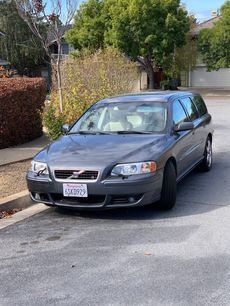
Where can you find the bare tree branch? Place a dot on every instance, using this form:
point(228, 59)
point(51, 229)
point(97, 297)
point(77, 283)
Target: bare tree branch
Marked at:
point(49, 27)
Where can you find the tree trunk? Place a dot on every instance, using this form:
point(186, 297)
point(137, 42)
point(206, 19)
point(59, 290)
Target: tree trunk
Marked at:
point(146, 63)
point(59, 78)
point(150, 71)
point(49, 78)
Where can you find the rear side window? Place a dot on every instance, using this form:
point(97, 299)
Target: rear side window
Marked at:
point(199, 102)
point(191, 108)
point(179, 114)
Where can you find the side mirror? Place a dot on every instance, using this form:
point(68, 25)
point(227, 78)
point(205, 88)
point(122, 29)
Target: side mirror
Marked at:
point(65, 128)
point(184, 126)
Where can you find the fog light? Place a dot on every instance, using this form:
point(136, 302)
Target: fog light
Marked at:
point(131, 199)
point(37, 196)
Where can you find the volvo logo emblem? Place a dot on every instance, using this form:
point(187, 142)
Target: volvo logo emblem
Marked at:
point(75, 174)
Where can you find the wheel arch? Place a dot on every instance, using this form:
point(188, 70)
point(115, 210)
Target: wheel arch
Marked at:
point(173, 161)
point(210, 136)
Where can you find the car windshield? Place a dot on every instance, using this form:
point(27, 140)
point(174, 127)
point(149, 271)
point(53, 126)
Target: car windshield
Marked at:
point(123, 118)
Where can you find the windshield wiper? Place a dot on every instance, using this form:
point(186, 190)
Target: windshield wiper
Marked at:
point(88, 133)
point(107, 133)
point(132, 132)
point(83, 133)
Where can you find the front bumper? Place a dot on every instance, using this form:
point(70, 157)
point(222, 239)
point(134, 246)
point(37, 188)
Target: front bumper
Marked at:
point(109, 193)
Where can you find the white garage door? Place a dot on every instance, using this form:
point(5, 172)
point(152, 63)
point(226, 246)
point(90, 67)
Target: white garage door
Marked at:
point(201, 78)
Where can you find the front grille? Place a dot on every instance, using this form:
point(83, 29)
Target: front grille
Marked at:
point(91, 199)
point(72, 175)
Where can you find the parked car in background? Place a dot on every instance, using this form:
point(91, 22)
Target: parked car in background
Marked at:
point(125, 151)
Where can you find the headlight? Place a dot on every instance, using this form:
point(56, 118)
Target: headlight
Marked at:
point(134, 168)
point(39, 168)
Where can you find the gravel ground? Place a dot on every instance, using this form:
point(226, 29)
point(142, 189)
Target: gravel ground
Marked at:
point(12, 178)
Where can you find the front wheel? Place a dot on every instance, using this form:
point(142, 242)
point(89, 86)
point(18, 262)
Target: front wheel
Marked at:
point(169, 189)
point(206, 164)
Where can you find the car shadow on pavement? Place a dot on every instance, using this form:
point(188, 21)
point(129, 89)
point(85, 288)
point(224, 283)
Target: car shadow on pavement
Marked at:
point(198, 193)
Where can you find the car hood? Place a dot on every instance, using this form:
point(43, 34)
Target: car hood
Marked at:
point(101, 150)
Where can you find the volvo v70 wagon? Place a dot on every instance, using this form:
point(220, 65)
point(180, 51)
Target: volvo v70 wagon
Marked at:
point(124, 151)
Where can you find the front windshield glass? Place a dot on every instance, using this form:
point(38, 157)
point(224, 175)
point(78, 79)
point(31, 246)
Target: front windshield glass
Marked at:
point(127, 117)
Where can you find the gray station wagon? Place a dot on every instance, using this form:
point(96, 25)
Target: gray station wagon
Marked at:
point(125, 151)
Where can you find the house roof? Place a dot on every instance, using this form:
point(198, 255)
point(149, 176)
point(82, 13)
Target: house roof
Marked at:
point(208, 24)
point(51, 36)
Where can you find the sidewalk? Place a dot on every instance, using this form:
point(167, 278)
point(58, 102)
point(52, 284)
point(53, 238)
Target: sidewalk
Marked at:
point(23, 152)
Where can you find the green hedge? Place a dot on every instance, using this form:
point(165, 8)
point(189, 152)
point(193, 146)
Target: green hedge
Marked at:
point(21, 101)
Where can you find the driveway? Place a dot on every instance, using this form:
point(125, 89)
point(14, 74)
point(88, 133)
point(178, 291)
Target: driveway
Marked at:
point(130, 257)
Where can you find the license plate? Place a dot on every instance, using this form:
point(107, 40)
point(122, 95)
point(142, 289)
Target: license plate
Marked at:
point(75, 190)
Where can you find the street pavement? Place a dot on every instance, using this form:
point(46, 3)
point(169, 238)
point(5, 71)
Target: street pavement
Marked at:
point(138, 256)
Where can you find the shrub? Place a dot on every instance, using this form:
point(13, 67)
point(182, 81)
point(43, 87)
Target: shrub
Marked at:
point(53, 120)
point(87, 79)
point(165, 84)
point(21, 100)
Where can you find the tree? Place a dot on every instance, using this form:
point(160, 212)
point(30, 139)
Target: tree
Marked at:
point(89, 78)
point(38, 13)
point(186, 56)
point(89, 26)
point(19, 46)
point(148, 31)
point(214, 44)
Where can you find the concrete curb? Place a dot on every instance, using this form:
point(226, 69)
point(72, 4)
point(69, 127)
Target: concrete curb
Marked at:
point(16, 161)
point(18, 200)
point(22, 215)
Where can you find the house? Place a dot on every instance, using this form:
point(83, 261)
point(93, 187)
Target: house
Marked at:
point(199, 76)
point(65, 47)
point(53, 48)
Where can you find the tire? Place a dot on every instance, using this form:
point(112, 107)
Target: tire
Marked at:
point(206, 164)
point(169, 187)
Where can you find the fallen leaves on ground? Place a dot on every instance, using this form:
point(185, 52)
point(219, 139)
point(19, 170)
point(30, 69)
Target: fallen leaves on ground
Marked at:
point(147, 254)
point(9, 213)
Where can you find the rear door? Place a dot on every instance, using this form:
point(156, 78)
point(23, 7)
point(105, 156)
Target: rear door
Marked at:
point(197, 139)
point(204, 120)
point(183, 140)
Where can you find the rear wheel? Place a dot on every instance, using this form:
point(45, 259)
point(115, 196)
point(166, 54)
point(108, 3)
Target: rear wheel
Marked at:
point(168, 193)
point(206, 164)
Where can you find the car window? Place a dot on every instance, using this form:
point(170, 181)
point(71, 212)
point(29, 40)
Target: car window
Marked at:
point(199, 102)
point(94, 119)
point(179, 114)
point(135, 119)
point(143, 117)
point(191, 108)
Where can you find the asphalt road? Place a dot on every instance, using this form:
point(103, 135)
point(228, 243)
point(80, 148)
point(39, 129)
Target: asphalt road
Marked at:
point(129, 257)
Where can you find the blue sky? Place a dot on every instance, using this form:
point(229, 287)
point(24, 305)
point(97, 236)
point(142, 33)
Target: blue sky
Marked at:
point(202, 8)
